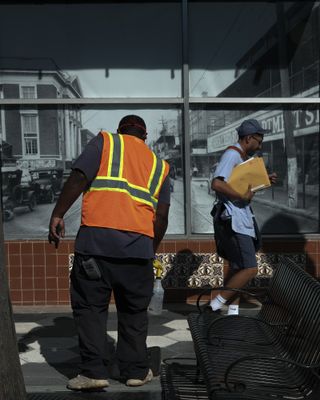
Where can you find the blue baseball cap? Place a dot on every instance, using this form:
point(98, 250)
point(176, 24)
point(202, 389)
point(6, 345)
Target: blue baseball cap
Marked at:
point(250, 127)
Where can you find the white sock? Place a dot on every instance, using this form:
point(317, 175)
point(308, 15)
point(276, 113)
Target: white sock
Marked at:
point(233, 309)
point(217, 302)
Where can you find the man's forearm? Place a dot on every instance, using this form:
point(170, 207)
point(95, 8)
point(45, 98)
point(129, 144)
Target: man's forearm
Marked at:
point(74, 186)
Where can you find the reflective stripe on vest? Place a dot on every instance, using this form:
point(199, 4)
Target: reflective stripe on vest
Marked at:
point(115, 166)
point(113, 180)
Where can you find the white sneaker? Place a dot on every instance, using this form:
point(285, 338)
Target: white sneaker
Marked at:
point(233, 309)
point(82, 382)
point(140, 382)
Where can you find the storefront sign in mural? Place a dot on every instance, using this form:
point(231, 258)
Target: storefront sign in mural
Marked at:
point(305, 121)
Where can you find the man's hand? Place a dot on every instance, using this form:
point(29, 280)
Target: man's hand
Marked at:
point(249, 194)
point(74, 186)
point(56, 230)
point(273, 177)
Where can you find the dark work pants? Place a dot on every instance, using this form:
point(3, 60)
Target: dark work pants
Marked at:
point(132, 282)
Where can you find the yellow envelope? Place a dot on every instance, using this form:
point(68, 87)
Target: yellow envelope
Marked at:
point(251, 172)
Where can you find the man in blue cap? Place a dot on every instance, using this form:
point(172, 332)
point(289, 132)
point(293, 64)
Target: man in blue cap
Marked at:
point(234, 219)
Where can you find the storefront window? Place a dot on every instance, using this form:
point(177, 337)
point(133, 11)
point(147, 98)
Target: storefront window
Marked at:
point(73, 69)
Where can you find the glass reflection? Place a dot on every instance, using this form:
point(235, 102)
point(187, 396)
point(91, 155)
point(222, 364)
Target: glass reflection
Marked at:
point(250, 49)
point(92, 50)
point(291, 150)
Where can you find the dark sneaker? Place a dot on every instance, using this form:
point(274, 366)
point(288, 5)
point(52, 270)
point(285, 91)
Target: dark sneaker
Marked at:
point(140, 382)
point(81, 382)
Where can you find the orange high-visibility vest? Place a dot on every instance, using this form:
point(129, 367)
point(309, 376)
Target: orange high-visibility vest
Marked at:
point(124, 194)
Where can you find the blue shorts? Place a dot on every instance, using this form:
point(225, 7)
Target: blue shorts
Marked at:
point(244, 253)
point(239, 249)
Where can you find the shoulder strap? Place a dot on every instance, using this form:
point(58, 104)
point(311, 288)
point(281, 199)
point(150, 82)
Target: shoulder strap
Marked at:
point(242, 153)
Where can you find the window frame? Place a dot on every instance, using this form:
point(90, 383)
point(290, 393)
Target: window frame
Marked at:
point(22, 86)
point(35, 136)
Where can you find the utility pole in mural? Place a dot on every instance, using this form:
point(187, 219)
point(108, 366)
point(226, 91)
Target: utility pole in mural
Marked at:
point(290, 147)
point(11, 379)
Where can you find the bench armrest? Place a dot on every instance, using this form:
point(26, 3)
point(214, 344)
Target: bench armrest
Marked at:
point(311, 367)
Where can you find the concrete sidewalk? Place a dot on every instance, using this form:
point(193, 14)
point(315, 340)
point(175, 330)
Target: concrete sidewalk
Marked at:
point(49, 350)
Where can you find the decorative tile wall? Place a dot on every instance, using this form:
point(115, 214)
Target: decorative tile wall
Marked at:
point(197, 270)
point(39, 274)
point(192, 270)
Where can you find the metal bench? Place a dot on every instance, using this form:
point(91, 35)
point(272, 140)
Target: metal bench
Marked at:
point(274, 355)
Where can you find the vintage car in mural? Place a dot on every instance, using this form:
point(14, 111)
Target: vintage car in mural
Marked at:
point(47, 183)
point(15, 192)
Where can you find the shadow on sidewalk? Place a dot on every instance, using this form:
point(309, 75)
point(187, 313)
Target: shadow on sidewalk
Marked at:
point(58, 344)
